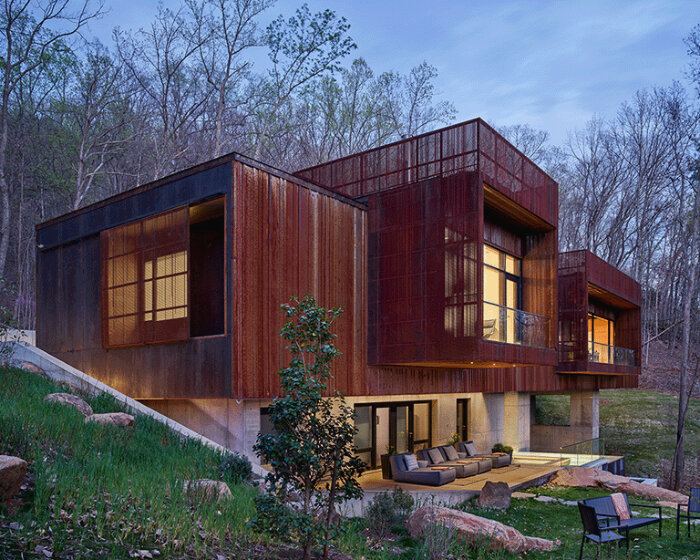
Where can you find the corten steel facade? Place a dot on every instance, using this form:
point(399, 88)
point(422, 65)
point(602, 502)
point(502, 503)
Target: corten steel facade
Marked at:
point(171, 292)
point(588, 286)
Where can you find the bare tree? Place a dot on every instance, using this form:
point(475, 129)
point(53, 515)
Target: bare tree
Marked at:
point(163, 61)
point(301, 48)
point(33, 32)
point(410, 100)
point(226, 29)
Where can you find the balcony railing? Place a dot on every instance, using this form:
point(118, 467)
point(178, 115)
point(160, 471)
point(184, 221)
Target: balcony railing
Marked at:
point(607, 354)
point(514, 326)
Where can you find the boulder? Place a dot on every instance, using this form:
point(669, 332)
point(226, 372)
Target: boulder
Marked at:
point(12, 472)
point(114, 418)
point(212, 489)
point(32, 367)
point(70, 400)
point(496, 495)
point(586, 476)
point(476, 529)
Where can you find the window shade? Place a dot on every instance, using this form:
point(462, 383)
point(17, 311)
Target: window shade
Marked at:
point(145, 280)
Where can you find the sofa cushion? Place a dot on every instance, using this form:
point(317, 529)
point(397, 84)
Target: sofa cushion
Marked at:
point(435, 456)
point(470, 448)
point(450, 453)
point(411, 462)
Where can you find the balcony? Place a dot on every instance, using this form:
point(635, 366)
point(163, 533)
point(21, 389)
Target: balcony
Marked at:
point(514, 326)
point(607, 354)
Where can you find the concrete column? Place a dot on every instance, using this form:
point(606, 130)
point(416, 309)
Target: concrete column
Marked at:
point(444, 410)
point(516, 420)
point(486, 420)
point(585, 411)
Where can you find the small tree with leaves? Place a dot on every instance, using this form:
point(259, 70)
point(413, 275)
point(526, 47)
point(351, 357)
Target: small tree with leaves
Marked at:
point(312, 448)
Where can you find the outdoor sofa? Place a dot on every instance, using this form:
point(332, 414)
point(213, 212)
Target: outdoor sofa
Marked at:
point(615, 514)
point(406, 468)
point(447, 456)
point(498, 460)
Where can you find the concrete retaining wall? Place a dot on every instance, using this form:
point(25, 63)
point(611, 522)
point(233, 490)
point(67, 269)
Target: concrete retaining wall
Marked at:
point(32, 358)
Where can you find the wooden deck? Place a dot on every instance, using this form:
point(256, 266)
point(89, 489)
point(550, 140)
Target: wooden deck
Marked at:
point(517, 476)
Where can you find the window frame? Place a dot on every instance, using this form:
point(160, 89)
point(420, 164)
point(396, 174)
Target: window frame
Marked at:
point(153, 331)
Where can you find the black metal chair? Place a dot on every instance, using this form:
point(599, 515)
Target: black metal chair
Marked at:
point(595, 533)
point(692, 511)
point(604, 508)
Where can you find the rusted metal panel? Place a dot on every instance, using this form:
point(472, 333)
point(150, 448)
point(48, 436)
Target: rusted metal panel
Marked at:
point(468, 146)
point(291, 241)
point(587, 283)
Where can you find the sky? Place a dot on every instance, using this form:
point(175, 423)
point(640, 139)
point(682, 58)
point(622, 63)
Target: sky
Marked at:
point(550, 64)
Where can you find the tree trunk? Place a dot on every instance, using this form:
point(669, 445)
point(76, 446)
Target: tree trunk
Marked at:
point(678, 464)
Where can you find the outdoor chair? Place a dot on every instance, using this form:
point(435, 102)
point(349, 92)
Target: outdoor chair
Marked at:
point(498, 460)
point(692, 511)
point(593, 531)
point(616, 510)
point(405, 468)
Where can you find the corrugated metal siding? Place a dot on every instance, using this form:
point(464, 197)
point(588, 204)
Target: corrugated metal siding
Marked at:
point(292, 241)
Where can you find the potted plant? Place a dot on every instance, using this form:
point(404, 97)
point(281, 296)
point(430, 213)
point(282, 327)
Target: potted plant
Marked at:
point(500, 448)
point(386, 465)
point(454, 438)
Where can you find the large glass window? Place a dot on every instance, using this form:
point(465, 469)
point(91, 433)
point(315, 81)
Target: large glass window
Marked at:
point(502, 296)
point(601, 339)
point(160, 272)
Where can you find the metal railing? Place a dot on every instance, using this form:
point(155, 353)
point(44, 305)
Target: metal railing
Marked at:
point(515, 326)
point(607, 354)
point(583, 452)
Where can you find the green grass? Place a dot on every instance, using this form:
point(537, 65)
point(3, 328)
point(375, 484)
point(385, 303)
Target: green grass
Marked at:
point(641, 425)
point(107, 491)
point(563, 522)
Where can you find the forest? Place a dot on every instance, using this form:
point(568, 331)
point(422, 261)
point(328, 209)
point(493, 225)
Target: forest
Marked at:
point(82, 120)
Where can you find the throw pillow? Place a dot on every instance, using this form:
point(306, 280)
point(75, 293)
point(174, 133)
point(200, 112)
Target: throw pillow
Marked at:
point(470, 448)
point(620, 505)
point(411, 462)
point(435, 456)
point(451, 453)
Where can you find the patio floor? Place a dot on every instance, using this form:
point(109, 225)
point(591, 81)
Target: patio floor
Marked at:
point(517, 475)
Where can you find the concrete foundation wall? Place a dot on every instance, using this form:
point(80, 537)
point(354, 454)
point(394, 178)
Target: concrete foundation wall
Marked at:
point(231, 423)
point(516, 414)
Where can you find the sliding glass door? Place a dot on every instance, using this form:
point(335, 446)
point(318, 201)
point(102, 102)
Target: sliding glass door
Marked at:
point(391, 428)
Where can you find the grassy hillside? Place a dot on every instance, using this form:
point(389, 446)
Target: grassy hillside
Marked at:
point(117, 492)
point(641, 425)
point(108, 491)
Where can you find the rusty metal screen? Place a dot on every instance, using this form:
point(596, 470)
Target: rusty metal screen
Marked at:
point(468, 146)
point(573, 307)
point(424, 242)
point(145, 280)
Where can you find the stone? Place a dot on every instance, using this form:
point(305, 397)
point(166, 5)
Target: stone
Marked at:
point(70, 400)
point(495, 494)
point(476, 529)
point(32, 367)
point(114, 418)
point(12, 473)
point(212, 489)
point(587, 476)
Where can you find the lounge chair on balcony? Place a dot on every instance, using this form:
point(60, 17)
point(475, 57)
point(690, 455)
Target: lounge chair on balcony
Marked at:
point(447, 456)
point(498, 460)
point(692, 511)
point(406, 468)
point(616, 510)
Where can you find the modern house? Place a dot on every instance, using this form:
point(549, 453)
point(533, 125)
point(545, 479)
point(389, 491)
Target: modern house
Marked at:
point(441, 249)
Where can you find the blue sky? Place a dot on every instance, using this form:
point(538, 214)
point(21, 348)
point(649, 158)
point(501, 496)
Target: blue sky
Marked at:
point(551, 64)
